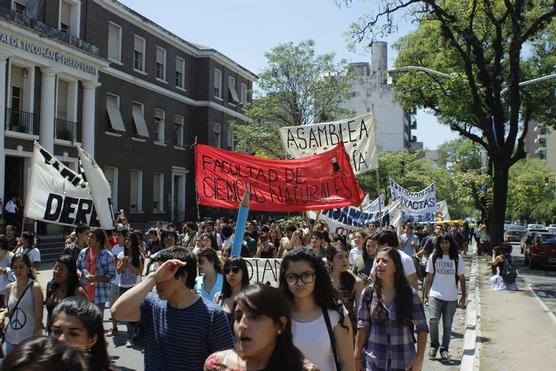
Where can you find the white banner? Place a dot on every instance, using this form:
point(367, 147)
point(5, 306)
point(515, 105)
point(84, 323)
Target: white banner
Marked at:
point(263, 270)
point(58, 194)
point(442, 212)
point(347, 220)
point(416, 206)
point(99, 188)
point(358, 135)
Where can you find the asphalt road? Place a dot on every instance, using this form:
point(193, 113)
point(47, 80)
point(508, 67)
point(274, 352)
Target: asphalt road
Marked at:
point(541, 280)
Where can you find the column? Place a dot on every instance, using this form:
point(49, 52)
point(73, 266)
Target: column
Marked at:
point(48, 96)
point(3, 63)
point(88, 120)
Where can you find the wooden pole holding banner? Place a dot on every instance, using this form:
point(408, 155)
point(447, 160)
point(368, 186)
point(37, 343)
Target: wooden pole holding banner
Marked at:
point(196, 195)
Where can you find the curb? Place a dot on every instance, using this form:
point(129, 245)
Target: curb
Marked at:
point(471, 347)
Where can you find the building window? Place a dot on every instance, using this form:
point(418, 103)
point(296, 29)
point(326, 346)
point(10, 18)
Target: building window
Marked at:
point(114, 114)
point(20, 6)
point(243, 94)
point(138, 113)
point(180, 72)
point(217, 83)
point(178, 126)
point(230, 138)
point(158, 193)
point(232, 92)
point(139, 53)
point(159, 126)
point(136, 191)
point(160, 63)
point(217, 130)
point(65, 16)
point(111, 175)
point(114, 42)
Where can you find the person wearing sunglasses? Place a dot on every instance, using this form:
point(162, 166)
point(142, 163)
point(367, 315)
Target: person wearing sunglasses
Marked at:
point(320, 324)
point(236, 278)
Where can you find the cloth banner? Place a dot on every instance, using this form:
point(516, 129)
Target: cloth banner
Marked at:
point(416, 206)
point(442, 212)
point(317, 182)
point(264, 270)
point(347, 220)
point(357, 134)
point(59, 195)
point(99, 188)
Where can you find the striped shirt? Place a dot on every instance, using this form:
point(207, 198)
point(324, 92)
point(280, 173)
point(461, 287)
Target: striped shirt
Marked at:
point(182, 339)
point(389, 344)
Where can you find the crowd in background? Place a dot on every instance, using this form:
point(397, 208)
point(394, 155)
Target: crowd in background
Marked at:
point(342, 301)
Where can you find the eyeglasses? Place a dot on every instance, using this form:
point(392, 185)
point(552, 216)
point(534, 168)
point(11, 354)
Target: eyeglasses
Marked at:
point(306, 277)
point(232, 269)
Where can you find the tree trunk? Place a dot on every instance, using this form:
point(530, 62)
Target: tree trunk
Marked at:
point(501, 166)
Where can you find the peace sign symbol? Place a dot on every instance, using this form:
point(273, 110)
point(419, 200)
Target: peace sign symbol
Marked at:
point(18, 320)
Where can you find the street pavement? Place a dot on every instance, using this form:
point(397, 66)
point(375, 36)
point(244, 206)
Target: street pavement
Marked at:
point(542, 280)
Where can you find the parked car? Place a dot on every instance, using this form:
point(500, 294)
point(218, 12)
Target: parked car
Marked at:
point(536, 227)
point(528, 237)
point(514, 233)
point(541, 250)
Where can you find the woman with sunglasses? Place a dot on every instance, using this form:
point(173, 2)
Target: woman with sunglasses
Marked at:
point(236, 278)
point(320, 324)
point(393, 308)
point(210, 281)
point(262, 327)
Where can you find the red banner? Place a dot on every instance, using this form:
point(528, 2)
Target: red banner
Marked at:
point(318, 182)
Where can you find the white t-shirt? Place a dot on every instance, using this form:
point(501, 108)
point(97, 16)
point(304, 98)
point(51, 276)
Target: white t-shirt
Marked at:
point(127, 277)
point(32, 253)
point(407, 262)
point(116, 250)
point(444, 283)
point(354, 254)
point(313, 340)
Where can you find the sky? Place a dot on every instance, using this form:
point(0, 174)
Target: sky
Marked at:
point(244, 30)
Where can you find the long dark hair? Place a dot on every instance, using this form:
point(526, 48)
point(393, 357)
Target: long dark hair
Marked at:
point(211, 256)
point(90, 317)
point(134, 250)
point(235, 261)
point(404, 292)
point(366, 257)
point(437, 252)
point(347, 280)
point(326, 296)
point(26, 261)
point(72, 280)
point(269, 301)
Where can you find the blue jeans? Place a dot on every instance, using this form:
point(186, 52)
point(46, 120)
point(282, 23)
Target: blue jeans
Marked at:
point(130, 326)
point(445, 309)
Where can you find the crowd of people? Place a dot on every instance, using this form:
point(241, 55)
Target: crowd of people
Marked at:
point(353, 302)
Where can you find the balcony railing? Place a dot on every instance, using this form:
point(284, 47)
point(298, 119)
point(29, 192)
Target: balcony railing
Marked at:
point(65, 130)
point(19, 121)
point(47, 30)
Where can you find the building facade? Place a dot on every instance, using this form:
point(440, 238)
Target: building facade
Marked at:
point(133, 94)
point(372, 94)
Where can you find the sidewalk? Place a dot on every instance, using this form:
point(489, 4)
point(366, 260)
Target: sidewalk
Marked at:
point(516, 332)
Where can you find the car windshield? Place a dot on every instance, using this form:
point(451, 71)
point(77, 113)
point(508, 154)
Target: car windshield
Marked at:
point(519, 228)
point(547, 238)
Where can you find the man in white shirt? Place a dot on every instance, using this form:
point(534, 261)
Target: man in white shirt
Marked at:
point(28, 248)
point(390, 239)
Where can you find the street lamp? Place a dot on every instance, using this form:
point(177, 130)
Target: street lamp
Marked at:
point(453, 76)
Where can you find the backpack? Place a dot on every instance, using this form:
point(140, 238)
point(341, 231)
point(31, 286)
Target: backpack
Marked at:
point(508, 271)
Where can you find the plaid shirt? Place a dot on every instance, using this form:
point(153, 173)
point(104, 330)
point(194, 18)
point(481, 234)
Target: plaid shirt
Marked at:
point(387, 340)
point(105, 267)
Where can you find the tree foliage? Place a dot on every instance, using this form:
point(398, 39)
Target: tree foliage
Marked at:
point(297, 87)
point(531, 192)
point(479, 43)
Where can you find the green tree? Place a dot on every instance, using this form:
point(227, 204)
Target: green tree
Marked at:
point(479, 43)
point(298, 87)
point(531, 191)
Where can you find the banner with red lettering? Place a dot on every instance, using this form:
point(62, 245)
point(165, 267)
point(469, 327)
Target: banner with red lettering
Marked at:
point(322, 181)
